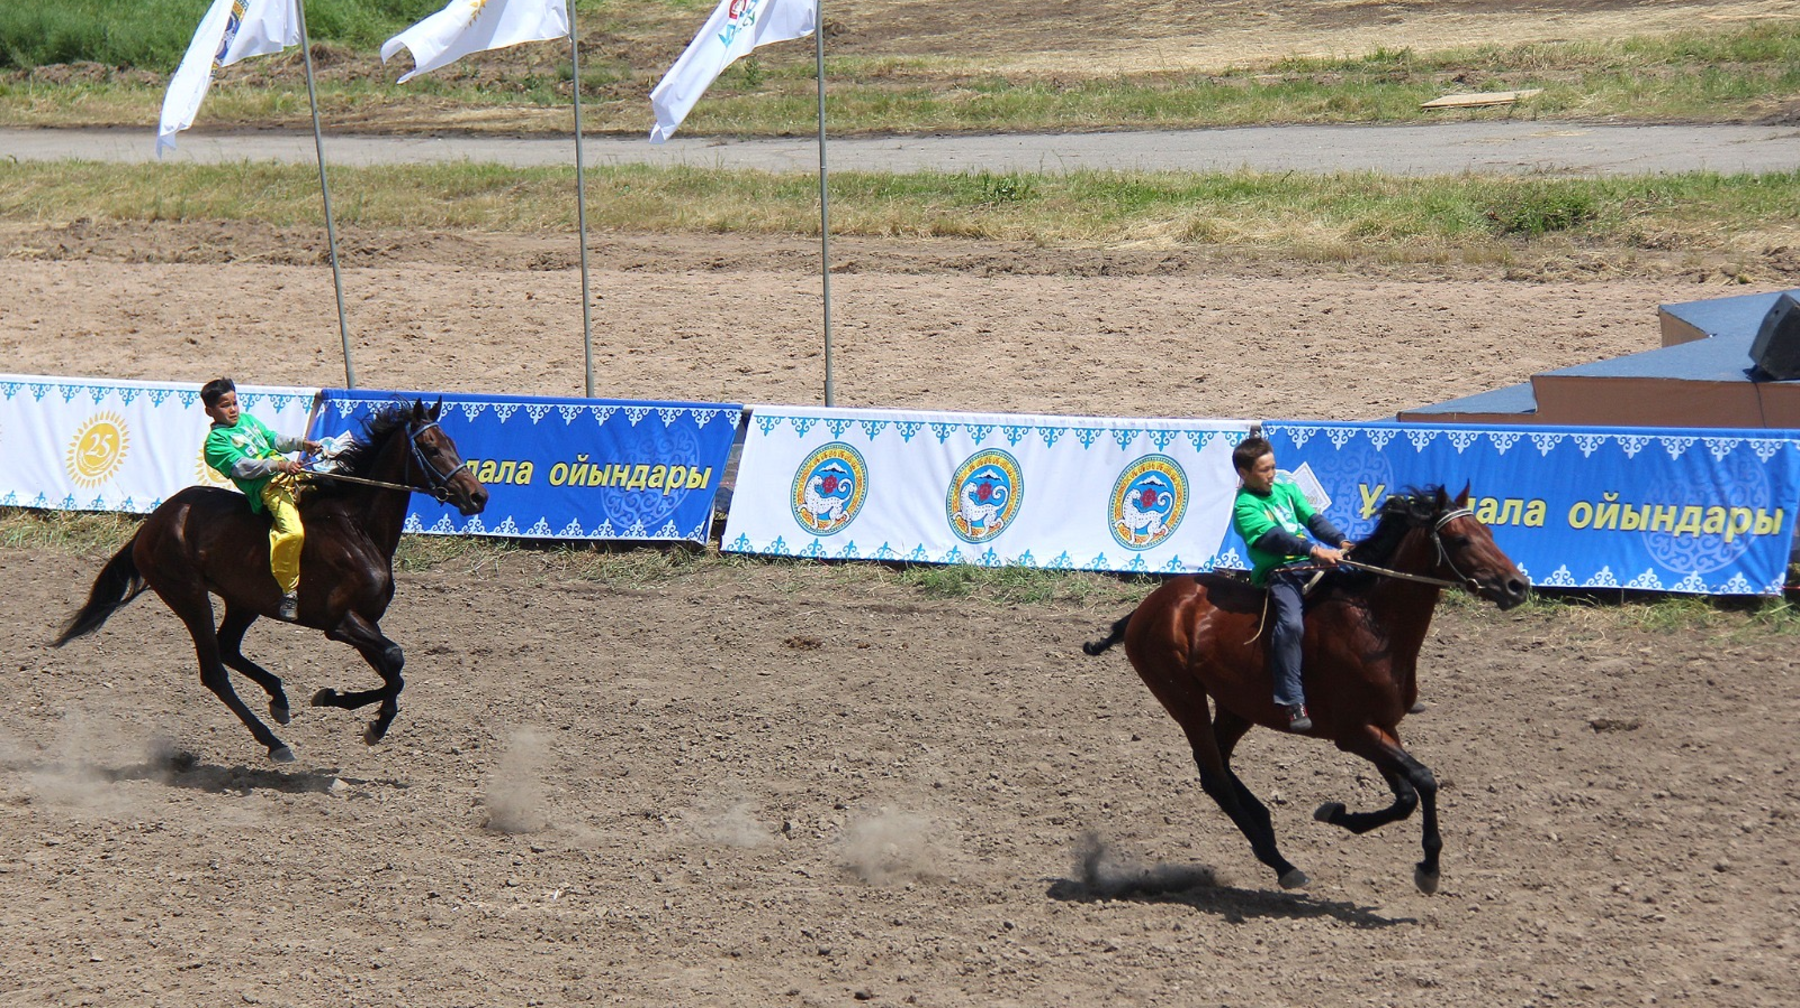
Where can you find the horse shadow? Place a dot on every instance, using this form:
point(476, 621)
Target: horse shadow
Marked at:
point(1198, 886)
point(181, 769)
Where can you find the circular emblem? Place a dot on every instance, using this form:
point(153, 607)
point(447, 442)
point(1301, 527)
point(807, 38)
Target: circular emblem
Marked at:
point(1148, 502)
point(98, 449)
point(829, 488)
point(985, 495)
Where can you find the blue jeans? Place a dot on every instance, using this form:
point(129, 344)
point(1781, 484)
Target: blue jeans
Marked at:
point(1286, 631)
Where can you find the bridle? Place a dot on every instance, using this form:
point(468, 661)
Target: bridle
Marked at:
point(440, 481)
point(1437, 540)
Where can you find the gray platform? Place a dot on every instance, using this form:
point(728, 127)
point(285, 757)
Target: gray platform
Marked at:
point(1701, 377)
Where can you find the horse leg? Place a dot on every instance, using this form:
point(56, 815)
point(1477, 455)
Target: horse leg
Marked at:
point(231, 649)
point(196, 612)
point(1412, 783)
point(386, 658)
point(1237, 801)
point(1228, 729)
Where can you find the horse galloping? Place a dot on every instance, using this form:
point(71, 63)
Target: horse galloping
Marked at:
point(1203, 636)
point(205, 541)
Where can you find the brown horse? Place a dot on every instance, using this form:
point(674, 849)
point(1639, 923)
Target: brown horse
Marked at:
point(206, 540)
point(1205, 636)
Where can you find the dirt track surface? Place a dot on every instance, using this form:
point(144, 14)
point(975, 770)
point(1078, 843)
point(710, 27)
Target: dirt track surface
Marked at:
point(809, 786)
point(732, 318)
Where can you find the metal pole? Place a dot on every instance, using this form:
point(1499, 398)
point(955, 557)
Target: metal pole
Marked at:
point(337, 276)
point(587, 318)
point(824, 197)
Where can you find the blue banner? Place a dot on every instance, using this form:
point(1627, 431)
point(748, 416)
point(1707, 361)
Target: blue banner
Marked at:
point(568, 468)
point(1670, 510)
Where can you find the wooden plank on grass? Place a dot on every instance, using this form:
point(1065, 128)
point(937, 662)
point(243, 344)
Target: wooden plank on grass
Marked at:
point(1481, 98)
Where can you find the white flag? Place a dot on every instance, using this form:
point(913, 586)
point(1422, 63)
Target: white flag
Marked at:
point(737, 27)
point(472, 26)
point(231, 30)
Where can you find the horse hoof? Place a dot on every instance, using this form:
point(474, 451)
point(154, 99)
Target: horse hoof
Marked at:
point(280, 712)
point(371, 736)
point(1427, 881)
point(324, 697)
point(1294, 878)
point(281, 754)
point(1328, 811)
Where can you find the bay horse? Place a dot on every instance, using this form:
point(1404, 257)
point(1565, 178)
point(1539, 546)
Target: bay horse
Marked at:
point(206, 540)
point(1205, 636)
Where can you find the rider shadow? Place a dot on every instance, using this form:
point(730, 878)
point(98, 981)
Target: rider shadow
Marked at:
point(1197, 885)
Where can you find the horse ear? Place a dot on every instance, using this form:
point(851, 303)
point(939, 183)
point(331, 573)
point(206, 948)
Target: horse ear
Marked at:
point(437, 408)
point(1462, 499)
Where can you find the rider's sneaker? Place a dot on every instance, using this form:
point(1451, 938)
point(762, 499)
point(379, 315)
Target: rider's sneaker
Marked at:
point(290, 607)
point(1297, 719)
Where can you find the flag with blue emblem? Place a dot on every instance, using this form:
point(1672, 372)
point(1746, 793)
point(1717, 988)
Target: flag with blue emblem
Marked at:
point(471, 26)
point(735, 28)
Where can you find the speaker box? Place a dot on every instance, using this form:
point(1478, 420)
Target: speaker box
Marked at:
point(1776, 351)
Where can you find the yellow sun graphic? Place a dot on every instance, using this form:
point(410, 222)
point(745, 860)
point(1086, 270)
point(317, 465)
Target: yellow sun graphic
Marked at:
point(206, 475)
point(98, 449)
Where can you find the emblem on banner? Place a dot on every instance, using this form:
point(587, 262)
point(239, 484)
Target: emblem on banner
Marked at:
point(98, 449)
point(206, 475)
point(829, 488)
point(1149, 500)
point(985, 495)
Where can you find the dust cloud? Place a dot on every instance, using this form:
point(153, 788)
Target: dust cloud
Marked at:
point(515, 798)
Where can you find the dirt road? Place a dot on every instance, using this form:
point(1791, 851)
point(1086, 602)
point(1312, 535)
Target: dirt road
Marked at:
point(1546, 148)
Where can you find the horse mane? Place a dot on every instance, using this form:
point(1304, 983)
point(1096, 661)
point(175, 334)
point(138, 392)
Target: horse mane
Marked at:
point(360, 456)
point(1402, 512)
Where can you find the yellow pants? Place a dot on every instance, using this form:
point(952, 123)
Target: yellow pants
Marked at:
point(285, 535)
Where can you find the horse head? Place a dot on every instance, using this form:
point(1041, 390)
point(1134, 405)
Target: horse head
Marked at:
point(1463, 550)
point(440, 470)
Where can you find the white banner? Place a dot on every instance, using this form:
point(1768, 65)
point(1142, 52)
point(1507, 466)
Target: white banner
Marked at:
point(735, 28)
point(89, 444)
point(471, 26)
point(1151, 496)
point(232, 30)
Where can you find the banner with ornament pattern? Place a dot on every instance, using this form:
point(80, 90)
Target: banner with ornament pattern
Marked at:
point(616, 469)
point(1088, 493)
point(1700, 511)
point(92, 444)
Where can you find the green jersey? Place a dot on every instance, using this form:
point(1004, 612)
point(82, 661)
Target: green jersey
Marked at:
point(245, 454)
point(1254, 514)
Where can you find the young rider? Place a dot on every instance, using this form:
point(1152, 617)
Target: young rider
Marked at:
point(249, 454)
point(1274, 519)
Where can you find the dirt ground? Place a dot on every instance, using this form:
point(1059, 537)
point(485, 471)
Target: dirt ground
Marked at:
point(812, 785)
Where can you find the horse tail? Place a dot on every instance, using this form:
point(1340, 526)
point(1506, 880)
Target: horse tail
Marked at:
point(1117, 635)
point(119, 582)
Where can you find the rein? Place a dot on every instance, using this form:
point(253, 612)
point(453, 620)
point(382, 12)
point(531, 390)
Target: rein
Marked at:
point(1400, 575)
point(1443, 557)
point(440, 488)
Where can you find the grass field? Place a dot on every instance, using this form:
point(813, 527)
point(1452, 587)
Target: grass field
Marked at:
point(1550, 224)
point(96, 63)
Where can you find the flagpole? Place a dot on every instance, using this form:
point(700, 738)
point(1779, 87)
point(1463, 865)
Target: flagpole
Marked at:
point(824, 197)
point(337, 276)
point(587, 319)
